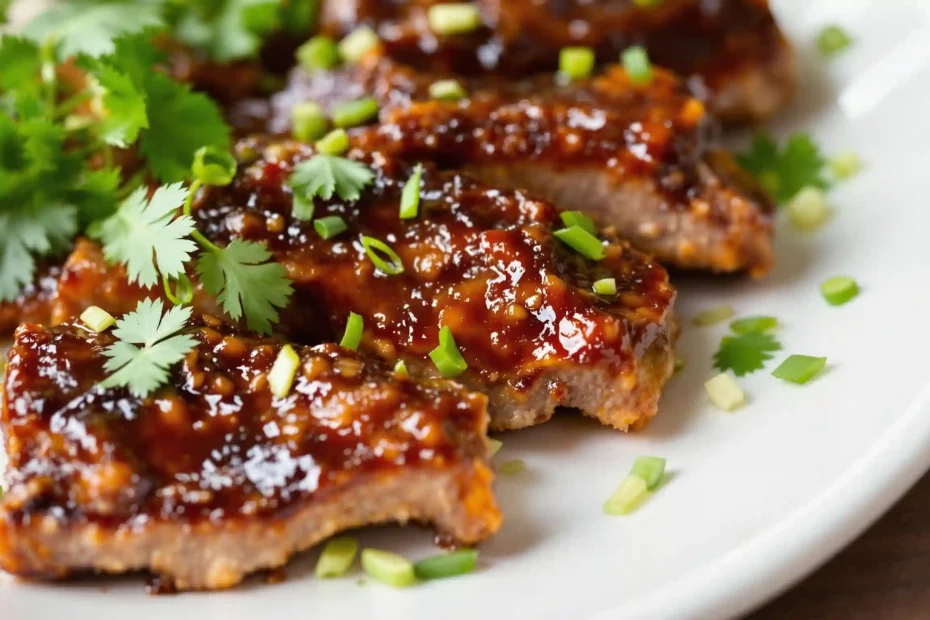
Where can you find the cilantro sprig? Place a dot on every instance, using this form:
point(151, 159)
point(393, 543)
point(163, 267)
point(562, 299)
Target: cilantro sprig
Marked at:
point(784, 172)
point(749, 347)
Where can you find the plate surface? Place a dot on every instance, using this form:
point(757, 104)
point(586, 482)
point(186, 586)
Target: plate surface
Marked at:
point(758, 497)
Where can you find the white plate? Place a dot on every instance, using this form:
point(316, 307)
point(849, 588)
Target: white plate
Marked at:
point(760, 496)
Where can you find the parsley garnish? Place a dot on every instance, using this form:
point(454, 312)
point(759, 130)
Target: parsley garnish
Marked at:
point(745, 353)
point(784, 173)
point(148, 345)
point(322, 175)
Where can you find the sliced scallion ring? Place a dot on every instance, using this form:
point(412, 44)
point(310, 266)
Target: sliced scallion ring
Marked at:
point(447, 357)
point(576, 63)
point(636, 62)
point(712, 316)
point(355, 113)
point(838, 290)
point(308, 121)
point(649, 468)
point(400, 368)
point(845, 165)
point(373, 246)
point(631, 492)
point(509, 468)
point(725, 392)
point(319, 53)
point(410, 198)
point(808, 209)
point(754, 324)
point(283, 371)
point(454, 18)
point(97, 319)
point(390, 568)
point(800, 368)
point(352, 337)
point(494, 446)
point(335, 142)
point(337, 557)
point(451, 564)
point(832, 40)
point(577, 218)
point(357, 43)
point(581, 241)
point(447, 90)
point(329, 226)
point(606, 287)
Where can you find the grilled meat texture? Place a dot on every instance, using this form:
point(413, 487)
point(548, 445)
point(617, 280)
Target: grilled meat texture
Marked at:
point(212, 477)
point(636, 157)
point(730, 49)
point(479, 260)
point(34, 303)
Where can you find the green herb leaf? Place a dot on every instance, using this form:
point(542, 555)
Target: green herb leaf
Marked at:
point(745, 353)
point(27, 232)
point(19, 62)
point(228, 29)
point(244, 281)
point(323, 175)
point(147, 237)
point(126, 114)
point(148, 345)
point(784, 173)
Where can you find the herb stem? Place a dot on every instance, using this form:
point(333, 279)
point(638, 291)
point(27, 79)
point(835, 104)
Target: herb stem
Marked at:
point(69, 104)
point(49, 75)
point(188, 206)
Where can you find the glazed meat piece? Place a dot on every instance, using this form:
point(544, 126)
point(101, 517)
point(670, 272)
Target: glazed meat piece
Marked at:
point(34, 303)
point(730, 49)
point(211, 477)
point(479, 260)
point(636, 157)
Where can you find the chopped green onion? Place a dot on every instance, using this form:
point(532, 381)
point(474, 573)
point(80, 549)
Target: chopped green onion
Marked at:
point(832, 40)
point(447, 90)
point(447, 357)
point(606, 286)
point(447, 565)
point(800, 368)
point(576, 63)
point(97, 319)
point(712, 316)
point(724, 392)
point(282, 373)
point(627, 497)
point(636, 62)
point(355, 113)
point(410, 198)
point(494, 446)
point(373, 246)
point(355, 325)
point(337, 557)
point(845, 165)
point(390, 568)
point(302, 207)
point(335, 142)
point(308, 122)
point(454, 18)
point(577, 218)
point(808, 209)
point(644, 4)
point(213, 166)
point(515, 466)
point(400, 368)
point(354, 46)
point(330, 226)
point(754, 324)
point(649, 468)
point(839, 289)
point(320, 52)
point(581, 241)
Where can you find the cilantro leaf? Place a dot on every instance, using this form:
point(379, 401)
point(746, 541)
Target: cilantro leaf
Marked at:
point(96, 195)
point(745, 353)
point(784, 173)
point(243, 281)
point(125, 105)
point(25, 233)
point(144, 368)
point(230, 29)
point(322, 175)
point(180, 122)
point(90, 26)
point(147, 237)
point(19, 62)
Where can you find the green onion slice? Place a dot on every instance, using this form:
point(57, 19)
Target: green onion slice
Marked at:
point(400, 368)
point(494, 446)
point(335, 142)
point(631, 492)
point(330, 226)
point(319, 53)
point(390, 568)
point(447, 357)
point(308, 122)
point(839, 289)
point(410, 198)
point(636, 62)
point(355, 113)
point(302, 208)
point(337, 557)
point(183, 293)
point(283, 371)
point(712, 316)
point(213, 166)
point(577, 218)
point(724, 392)
point(800, 368)
point(832, 40)
point(581, 241)
point(754, 324)
point(454, 18)
point(355, 325)
point(447, 565)
point(576, 63)
point(373, 246)
point(808, 209)
point(447, 90)
point(97, 319)
point(845, 165)
point(606, 287)
point(357, 43)
point(508, 468)
point(649, 468)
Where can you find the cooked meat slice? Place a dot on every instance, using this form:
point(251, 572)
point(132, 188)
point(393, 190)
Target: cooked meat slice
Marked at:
point(638, 158)
point(34, 303)
point(733, 49)
point(212, 477)
point(479, 260)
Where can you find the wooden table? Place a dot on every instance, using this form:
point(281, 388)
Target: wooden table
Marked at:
point(884, 575)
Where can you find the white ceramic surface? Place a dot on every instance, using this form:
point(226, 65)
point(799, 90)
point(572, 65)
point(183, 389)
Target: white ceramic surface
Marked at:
point(760, 496)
